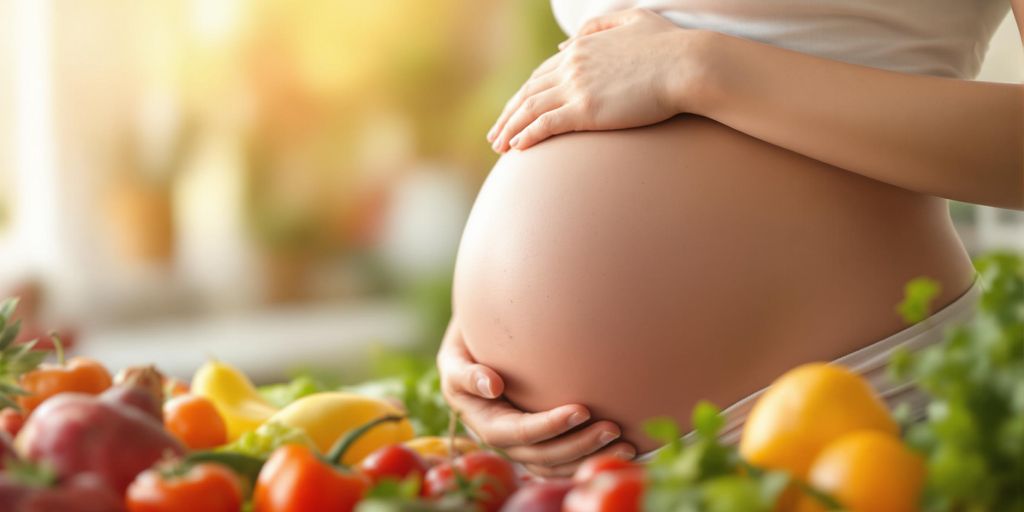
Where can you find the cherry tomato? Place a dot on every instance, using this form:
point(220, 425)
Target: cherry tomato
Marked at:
point(394, 461)
point(207, 487)
point(494, 477)
point(194, 420)
point(80, 375)
point(597, 465)
point(611, 491)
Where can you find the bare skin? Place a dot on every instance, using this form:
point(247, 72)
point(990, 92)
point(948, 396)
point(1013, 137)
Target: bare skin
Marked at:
point(849, 240)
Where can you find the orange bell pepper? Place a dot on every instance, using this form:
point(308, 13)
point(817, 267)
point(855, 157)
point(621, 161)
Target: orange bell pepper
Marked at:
point(79, 374)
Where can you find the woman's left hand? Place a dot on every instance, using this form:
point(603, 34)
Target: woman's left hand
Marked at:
point(623, 70)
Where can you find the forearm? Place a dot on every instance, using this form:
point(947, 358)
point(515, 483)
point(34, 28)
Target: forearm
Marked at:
point(952, 138)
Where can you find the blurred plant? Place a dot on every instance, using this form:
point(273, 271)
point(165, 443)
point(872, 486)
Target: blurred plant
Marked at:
point(974, 433)
point(700, 473)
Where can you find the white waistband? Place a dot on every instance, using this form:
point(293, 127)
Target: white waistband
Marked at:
point(871, 362)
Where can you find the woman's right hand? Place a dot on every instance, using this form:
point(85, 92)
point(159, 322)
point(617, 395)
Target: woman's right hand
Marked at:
point(537, 440)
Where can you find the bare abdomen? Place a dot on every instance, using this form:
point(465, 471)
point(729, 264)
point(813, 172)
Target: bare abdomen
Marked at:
point(636, 271)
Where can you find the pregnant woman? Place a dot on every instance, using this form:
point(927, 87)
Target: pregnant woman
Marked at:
point(736, 187)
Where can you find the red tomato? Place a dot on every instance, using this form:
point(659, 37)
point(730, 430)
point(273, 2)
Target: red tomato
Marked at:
point(611, 491)
point(394, 461)
point(597, 465)
point(205, 488)
point(295, 479)
point(11, 421)
point(495, 476)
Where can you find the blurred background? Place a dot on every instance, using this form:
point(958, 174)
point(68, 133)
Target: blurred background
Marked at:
point(281, 184)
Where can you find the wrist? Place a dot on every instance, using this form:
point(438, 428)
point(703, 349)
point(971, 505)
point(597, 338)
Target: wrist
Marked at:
point(702, 76)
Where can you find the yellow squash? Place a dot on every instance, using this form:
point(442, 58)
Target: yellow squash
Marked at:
point(234, 396)
point(326, 417)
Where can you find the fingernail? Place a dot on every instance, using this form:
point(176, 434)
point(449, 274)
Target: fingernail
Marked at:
point(483, 386)
point(577, 418)
point(490, 135)
point(495, 146)
point(515, 141)
point(625, 454)
point(607, 437)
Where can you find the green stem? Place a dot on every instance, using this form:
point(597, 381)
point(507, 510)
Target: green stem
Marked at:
point(58, 347)
point(338, 450)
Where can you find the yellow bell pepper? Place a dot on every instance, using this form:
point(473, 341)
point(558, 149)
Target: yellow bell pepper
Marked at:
point(326, 417)
point(441, 447)
point(234, 396)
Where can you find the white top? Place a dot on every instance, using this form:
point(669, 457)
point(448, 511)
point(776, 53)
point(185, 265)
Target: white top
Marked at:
point(931, 37)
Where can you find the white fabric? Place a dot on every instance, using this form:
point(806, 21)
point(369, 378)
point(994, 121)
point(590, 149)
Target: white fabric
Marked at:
point(931, 37)
point(871, 362)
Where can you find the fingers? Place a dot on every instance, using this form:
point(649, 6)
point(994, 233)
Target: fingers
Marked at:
point(500, 424)
point(545, 68)
point(567, 448)
point(460, 374)
point(530, 109)
point(619, 449)
point(550, 123)
point(530, 88)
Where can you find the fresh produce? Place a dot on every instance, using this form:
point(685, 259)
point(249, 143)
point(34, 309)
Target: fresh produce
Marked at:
point(818, 439)
point(973, 438)
point(28, 489)
point(15, 359)
point(545, 496)
point(611, 491)
point(867, 470)
point(806, 409)
point(600, 464)
point(7, 452)
point(297, 479)
point(140, 387)
point(267, 438)
point(435, 449)
point(397, 462)
point(11, 421)
point(485, 477)
point(75, 433)
point(294, 479)
point(701, 473)
point(79, 374)
point(232, 393)
point(174, 387)
point(205, 487)
point(326, 417)
point(194, 420)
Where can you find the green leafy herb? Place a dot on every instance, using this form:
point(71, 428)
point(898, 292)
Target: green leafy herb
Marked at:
point(701, 473)
point(973, 437)
point(15, 359)
point(917, 298)
point(415, 382)
point(265, 439)
point(280, 395)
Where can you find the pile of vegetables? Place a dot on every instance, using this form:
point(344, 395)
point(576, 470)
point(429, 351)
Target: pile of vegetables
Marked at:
point(74, 438)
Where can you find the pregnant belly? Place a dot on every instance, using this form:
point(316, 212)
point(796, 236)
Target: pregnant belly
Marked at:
point(636, 271)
